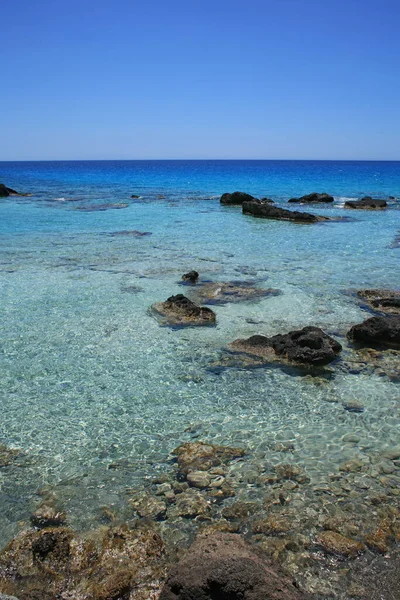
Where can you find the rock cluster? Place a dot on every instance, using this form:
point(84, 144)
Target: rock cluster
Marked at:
point(387, 301)
point(265, 210)
point(309, 346)
point(179, 310)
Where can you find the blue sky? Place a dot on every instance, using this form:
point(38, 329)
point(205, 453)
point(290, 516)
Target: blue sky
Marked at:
point(211, 79)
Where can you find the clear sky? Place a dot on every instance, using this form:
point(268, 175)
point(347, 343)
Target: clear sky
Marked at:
point(97, 79)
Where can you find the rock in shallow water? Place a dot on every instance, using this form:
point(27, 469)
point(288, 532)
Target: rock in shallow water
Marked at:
point(378, 331)
point(237, 198)
point(223, 566)
point(179, 310)
point(313, 198)
point(265, 210)
point(191, 276)
point(387, 301)
point(308, 346)
point(222, 292)
point(366, 203)
point(198, 456)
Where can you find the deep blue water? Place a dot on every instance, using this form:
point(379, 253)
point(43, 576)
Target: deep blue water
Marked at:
point(89, 377)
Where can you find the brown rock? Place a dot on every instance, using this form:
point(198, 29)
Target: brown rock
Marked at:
point(335, 543)
point(222, 566)
point(198, 456)
point(179, 310)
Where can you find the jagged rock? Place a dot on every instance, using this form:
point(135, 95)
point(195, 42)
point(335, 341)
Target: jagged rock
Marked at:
point(387, 301)
point(313, 198)
point(222, 566)
point(149, 507)
point(237, 198)
point(267, 200)
point(308, 346)
point(6, 191)
point(198, 456)
point(192, 276)
point(265, 210)
point(378, 331)
point(366, 203)
point(43, 564)
point(232, 291)
point(179, 310)
point(337, 544)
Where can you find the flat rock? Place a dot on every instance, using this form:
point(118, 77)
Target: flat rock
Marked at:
point(337, 544)
point(308, 346)
point(198, 456)
point(236, 198)
point(366, 203)
point(232, 291)
point(265, 210)
point(377, 331)
point(313, 198)
point(179, 310)
point(223, 566)
point(387, 301)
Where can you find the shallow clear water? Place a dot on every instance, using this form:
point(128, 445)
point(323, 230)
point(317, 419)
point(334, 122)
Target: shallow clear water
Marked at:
point(90, 379)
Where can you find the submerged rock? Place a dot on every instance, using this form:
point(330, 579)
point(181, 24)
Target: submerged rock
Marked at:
point(366, 203)
point(179, 310)
point(255, 208)
point(232, 291)
point(198, 456)
point(101, 207)
point(8, 455)
point(191, 276)
point(339, 545)
point(47, 515)
point(223, 565)
point(387, 301)
point(378, 331)
point(308, 346)
point(237, 198)
point(313, 198)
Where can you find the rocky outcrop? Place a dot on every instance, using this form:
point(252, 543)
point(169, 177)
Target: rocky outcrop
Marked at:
point(190, 277)
point(223, 565)
point(179, 310)
point(377, 331)
point(237, 198)
point(267, 200)
point(6, 191)
point(313, 198)
point(221, 292)
point(366, 203)
point(387, 301)
point(265, 210)
point(308, 346)
point(43, 564)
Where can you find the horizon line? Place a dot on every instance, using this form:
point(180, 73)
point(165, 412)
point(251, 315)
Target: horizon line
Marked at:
point(200, 159)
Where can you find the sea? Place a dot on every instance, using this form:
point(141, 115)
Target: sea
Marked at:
point(96, 393)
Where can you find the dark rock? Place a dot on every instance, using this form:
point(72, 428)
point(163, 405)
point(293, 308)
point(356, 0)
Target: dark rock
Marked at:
point(191, 276)
point(101, 207)
point(313, 198)
point(179, 310)
point(221, 292)
point(222, 566)
point(47, 515)
point(255, 208)
point(133, 233)
point(378, 331)
point(387, 301)
point(366, 203)
point(309, 346)
point(267, 200)
point(237, 198)
point(3, 191)
point(135, 196)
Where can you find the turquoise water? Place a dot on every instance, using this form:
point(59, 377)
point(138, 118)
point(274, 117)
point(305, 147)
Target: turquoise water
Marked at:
point(91, 381)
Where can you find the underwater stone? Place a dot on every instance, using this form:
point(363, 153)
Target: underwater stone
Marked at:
point(335, 543)
point(198, 456)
